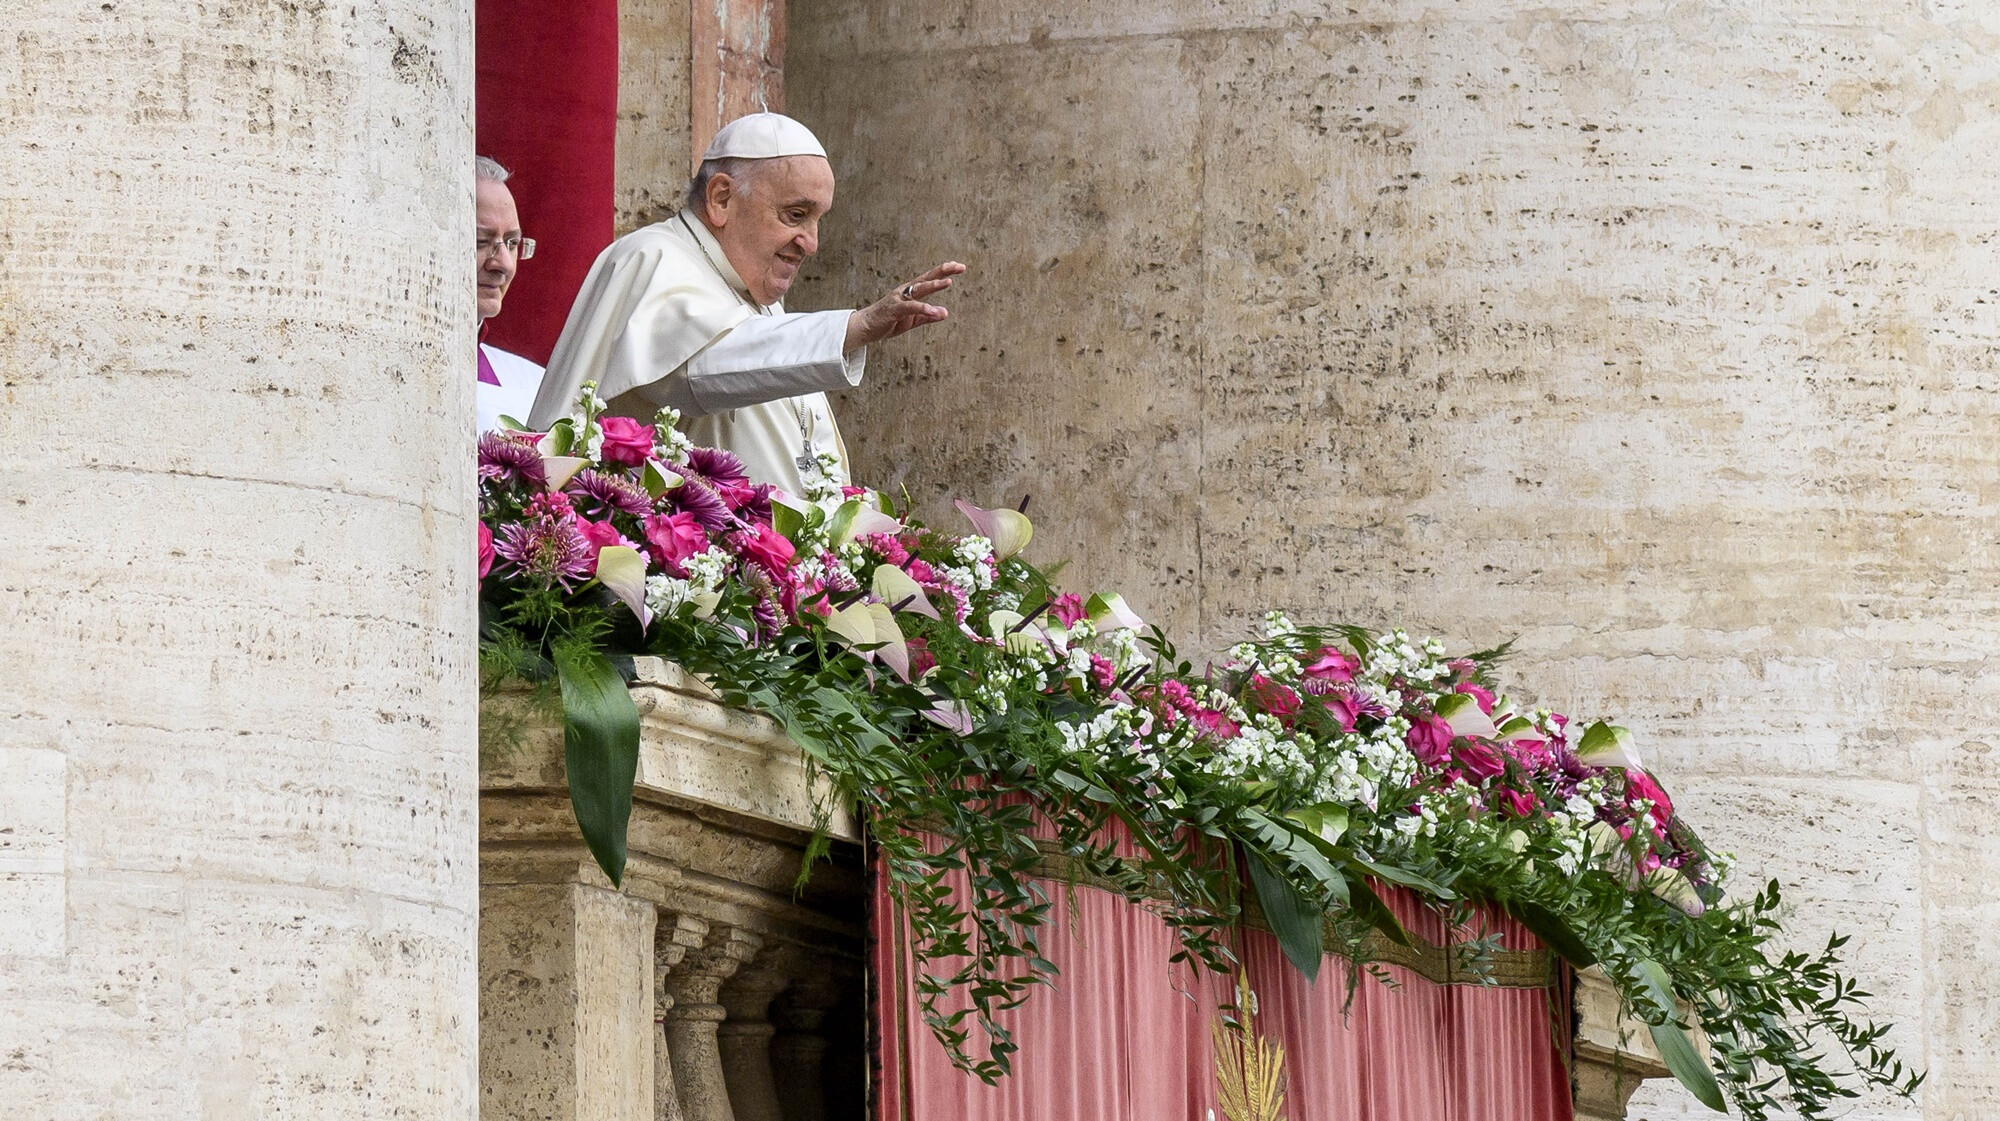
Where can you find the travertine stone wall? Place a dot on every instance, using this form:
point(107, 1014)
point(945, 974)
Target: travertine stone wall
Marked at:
point(654, 92)
point(1659, 336)
point(238, 736)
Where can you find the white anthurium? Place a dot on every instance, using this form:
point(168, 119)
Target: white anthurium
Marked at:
point(855, 518)
point(1109, 613)
point(705, 604)
point(894, 586)
point(894, 652)
point(1674, 887)
point(853, 623)
point(952, 715)
point(622, 569)
point(998, 623)
point(561, 469)
point(659, 480)
point(1462, 712)
point(1009, 530)
point(1607, 745)
point(1516, 728)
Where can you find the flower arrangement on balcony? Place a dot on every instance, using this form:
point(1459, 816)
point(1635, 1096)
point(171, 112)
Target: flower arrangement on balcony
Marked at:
point(982, 718)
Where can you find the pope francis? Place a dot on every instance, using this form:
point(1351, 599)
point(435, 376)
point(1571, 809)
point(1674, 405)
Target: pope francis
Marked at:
point(689, 312)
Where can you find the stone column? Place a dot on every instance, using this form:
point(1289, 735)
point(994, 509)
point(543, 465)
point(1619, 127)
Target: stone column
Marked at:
point(238, 874)
point(690, 1025)
point(745, 1036)
point(799, 1047)
point(566, 1008)
point(677, 935)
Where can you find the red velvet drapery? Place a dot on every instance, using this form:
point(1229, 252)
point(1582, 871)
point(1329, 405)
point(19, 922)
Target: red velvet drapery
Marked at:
point(1123, 1036)
point(547, 99)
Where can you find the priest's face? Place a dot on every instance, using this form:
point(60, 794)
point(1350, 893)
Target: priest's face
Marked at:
point(498, 224)
point(769, 225)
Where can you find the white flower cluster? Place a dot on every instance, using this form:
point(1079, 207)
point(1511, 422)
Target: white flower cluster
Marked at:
point(670, 444)
point(1395, 655)
point(822, 479)
point(666, 594)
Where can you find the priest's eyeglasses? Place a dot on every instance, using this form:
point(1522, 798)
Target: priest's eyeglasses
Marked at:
point(521, 248)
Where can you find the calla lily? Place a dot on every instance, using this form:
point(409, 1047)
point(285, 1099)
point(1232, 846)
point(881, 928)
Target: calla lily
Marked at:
point(623, 570)
point(1009, 530)
point(1109, 613)
point(1516, 728)
point(561, 469)
point(894, 586)
point(1463, 714)
point(705, 604)
point(1607, 745)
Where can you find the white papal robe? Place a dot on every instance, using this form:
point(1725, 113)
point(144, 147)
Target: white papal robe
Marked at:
point(520, 380)
point(663, 319)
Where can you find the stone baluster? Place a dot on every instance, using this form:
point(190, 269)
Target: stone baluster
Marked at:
point(678, 934)
point(745, 1036)
point(690, 1025)
point(799, 1047)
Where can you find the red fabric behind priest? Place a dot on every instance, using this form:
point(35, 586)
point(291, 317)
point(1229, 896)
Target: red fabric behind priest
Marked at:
point(548, 110)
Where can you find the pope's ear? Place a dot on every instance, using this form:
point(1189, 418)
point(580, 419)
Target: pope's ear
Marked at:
point(716, 196)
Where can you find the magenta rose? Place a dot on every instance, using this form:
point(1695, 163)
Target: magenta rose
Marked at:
point(1276, 699)
point(1480, 760)
point(1639, 784)
point(1067, 608)
point(486, 553)
point(1483, 697)
point(766, 546)
point(1331, 666)
point(1429, 740)
point(599, 534)
point(626, 441)
point(672, 539)
point(1344, 707)
point(1514, 803)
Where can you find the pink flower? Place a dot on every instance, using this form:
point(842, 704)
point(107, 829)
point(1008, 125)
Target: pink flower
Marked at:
point(1514, 803)
point(1533, 755)
point(1480, 760)
point(1102, 673)
point(853, 492)
point(1429, 740)
point(673, 538)
point(1276, 699)
point(1344, 707)
point(922, 661)
point(1068, 609)
point(1332, 666)
point(486, 553)
point(764, 545)
point(1483, 696)
point(1214, 723)
point(599, 535)
point(626, 441)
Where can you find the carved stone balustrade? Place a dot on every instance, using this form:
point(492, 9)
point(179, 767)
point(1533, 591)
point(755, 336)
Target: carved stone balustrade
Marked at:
point(677, 997)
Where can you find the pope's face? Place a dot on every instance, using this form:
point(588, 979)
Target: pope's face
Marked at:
point(770, 229)
point(497, 221)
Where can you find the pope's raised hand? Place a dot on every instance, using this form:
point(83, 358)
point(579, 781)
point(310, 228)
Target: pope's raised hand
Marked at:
point(905, 308)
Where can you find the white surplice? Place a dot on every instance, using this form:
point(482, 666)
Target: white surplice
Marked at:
point(663, 319)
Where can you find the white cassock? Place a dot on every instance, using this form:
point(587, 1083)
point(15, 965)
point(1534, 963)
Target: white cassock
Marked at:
point(514, 396)
point(663, 319)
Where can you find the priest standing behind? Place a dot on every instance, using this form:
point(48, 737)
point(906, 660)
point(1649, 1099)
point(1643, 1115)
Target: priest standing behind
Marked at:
point(689, 313)
point(507, 382)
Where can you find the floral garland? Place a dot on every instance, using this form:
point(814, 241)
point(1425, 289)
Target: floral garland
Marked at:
point(952, 692)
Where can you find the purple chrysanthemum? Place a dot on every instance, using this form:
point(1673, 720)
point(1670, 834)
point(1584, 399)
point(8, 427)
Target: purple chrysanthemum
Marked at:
point(715, 467)
point(548, 547)
point(601, 494)
point(696, 497)
point(510, 458)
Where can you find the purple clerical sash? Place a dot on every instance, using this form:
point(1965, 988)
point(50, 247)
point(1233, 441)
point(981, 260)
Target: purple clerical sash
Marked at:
point(486, 374)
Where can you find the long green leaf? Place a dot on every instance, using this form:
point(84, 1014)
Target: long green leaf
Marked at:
point(1554, 932)
point(1679, 1053)
point(1292, 917)
point(1368, 905)
point(601, 753)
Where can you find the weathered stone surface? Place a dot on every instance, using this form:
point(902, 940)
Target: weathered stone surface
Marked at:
point(1660, 337)
point(654, 110)
point(237, 864)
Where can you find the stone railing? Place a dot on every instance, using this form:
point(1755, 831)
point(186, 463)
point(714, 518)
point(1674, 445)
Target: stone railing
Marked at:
point(681, 996)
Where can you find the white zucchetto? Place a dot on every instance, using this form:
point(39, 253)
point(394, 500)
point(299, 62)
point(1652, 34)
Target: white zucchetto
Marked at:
point(763, 136)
